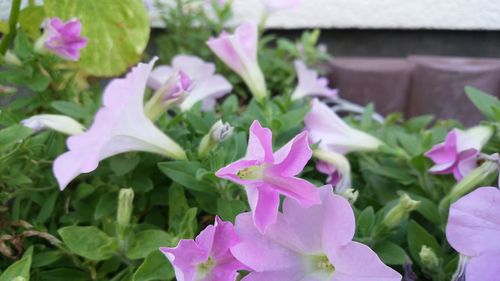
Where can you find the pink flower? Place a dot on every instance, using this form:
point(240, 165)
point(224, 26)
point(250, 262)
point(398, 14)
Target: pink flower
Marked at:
point(458, 153)
point(266, 175)
point(119, 126)
point(207, 258)
point(332, 133)
point(312, 243)
point(204, 85)
point(310, 84)
point(276, 5)
point(474, 229)
point(239, 52)
point(64, 38)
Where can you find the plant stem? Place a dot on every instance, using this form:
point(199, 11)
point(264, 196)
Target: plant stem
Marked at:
point(14, 14)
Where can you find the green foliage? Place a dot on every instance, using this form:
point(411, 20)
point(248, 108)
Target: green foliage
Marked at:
point(100, 247)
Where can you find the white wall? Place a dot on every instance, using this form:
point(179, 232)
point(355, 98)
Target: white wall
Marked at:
point(406, 14)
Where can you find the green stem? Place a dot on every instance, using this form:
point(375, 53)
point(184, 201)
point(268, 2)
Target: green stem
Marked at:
point(14, 14)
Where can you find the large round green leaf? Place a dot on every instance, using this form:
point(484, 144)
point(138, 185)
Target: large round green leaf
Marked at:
point(117, 30)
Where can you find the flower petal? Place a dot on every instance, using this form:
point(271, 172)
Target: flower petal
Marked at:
point(349, 259)
point(304, 192)
point(159, 76)
point(259, 252)
point(205, 89)
point(293, 157)
point(185, 258)
point(483, 267)
point(260, 143)
point(473, 222)
point(264, 202)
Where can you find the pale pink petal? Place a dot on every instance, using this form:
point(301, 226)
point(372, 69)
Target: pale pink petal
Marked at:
point(473, 222)
point(260, 143)
point(444, 152)
point(264, 202)
point(304, 192)
point(467, 161)
point(484, 267)
point(357, 262)
point(259, 252)
point(288, 274)
point(225, 237)
point(207, 89)
point(292, 158)
point(224, 49)
point(185, 259)
point(310, 84)
point(159, 76)
point(194, 67)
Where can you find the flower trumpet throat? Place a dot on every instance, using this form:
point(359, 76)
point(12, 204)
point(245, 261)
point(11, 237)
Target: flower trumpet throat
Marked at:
point(401, 211)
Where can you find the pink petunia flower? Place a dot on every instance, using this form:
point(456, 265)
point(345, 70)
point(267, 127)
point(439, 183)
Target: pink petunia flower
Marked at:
point(458, 153)
point(239, 52)
point(119, 126)
point(266, 175)
point(276, 5)
point(204, 84)
point(207, 258)
point(335, 139)
point(312, 243)
point(64, 38)
point(310, 84)
point(473, 230)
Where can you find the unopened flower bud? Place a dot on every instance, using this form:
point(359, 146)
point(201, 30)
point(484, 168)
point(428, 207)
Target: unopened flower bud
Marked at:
point(59, 123)
point(351, 195)
point(219, 133)
point(429, 259)
point(401, 211)
point(11, 58)
point(125, 207)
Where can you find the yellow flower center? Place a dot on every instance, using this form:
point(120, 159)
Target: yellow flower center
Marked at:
point(323, 264)
point(252, 173)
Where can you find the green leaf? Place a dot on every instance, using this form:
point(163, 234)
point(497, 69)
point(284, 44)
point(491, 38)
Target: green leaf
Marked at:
point(89, 242)
point(154, 267)
point(48, 207)
point(391, 253)
point(418, 237)
point(64, 274)
point(177, 207)
point(124, 163)
point(13, 135)
point(71, 109)
point(147, 241)
point(189, 224)
point(228, 210)
point(184, 173)
point(4, 27)
point(483, 101)
point(30, 20)
point(365, 221)
point(117, 32)
point(107, 204)
point(20, 268)
point(46, 258)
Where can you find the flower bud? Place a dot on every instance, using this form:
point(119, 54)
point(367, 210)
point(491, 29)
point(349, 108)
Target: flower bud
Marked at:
point(125, 207)
point(219, 133)
point(11, 58)
point(401, 211)
point(429, 259)
point(59, 123)
point(351, 195)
